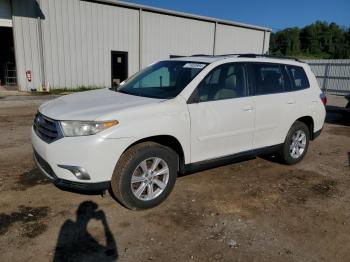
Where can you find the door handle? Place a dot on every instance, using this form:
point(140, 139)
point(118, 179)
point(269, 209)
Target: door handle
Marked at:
point(247, 108)
point(291, 102)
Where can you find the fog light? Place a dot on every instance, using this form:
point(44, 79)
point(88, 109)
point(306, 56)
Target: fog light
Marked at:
point(77, 171)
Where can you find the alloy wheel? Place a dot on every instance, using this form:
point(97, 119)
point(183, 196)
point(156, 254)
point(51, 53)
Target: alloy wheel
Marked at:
point(298, 144)
point(150, 179)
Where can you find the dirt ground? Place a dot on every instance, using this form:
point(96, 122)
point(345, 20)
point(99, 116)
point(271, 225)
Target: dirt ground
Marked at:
point(257, 210)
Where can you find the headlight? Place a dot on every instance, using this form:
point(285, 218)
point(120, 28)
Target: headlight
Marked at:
point(85, 128)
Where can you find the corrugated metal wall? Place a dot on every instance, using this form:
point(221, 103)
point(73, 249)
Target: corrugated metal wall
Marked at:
point(333, 75)
point(164, 35)
point(26, 40)
point(78, 37)
point(230, 39)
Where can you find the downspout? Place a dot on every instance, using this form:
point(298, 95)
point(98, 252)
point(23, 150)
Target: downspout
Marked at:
point(263, 48)
point(140, 38)
point(214, 44)
point(41, 46)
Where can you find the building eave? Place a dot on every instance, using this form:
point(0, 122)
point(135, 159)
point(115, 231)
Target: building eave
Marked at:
point(179, 14)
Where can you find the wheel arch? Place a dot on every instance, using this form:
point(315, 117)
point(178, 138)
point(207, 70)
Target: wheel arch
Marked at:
point(309, 122)
point(165, 140)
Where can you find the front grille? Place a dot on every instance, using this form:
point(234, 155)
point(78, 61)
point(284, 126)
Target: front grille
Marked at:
point(44, 165)
point(47, 129)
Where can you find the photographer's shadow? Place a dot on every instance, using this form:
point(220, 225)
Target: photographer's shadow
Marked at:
point(75, 243)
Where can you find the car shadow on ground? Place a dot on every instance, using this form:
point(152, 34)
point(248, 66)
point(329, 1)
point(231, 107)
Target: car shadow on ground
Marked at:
point(76, 243)
point(338, 117)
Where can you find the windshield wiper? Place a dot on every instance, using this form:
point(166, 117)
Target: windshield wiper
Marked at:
point(122, 91)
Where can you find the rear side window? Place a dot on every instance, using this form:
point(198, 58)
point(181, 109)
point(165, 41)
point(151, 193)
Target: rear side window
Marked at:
point(269, 78)
point(299, 78)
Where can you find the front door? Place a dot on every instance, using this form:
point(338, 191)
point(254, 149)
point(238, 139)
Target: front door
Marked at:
point(119, 67)
point(222, 119)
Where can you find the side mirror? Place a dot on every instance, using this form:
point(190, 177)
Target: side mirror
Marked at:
point(115, 83)
point(114, 87)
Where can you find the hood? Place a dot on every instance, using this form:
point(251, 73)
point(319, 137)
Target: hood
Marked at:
point(90, 105)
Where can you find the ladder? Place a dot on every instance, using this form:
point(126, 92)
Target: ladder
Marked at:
point(10, 74)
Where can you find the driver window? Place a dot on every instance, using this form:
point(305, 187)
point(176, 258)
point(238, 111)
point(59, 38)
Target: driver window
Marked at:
point(224, 82)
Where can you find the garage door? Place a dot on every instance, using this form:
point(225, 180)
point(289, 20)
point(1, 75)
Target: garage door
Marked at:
point(5, 13)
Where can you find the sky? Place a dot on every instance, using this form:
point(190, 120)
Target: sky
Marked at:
point(270, 13)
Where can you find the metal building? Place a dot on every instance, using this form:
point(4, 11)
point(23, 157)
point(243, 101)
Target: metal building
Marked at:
point(71, 43)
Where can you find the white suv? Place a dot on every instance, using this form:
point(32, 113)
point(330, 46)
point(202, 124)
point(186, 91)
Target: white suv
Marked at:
point(177, 116)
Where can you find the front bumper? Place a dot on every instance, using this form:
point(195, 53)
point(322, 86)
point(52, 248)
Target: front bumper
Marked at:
point(97, 155)
point(45, 169)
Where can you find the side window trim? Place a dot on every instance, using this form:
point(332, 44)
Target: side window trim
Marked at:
point(287, 85)
point(247, 90)
point(293, 86)
point(251, 79)
point(290, 79)
point(194, 98)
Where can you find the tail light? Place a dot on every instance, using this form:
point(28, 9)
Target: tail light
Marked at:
point(323, 99)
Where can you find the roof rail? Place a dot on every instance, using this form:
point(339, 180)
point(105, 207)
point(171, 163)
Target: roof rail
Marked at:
point(270, 56)
point(202, 55)
point(251, 55)
point(215, 55)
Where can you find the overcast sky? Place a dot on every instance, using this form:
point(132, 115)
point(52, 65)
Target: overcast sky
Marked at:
point(276, 14)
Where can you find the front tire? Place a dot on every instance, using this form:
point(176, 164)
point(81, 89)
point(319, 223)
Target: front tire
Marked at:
point(144, 175)
point(296, 144)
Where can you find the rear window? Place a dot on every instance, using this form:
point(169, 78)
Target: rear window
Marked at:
point(270, 78)
point(299, 78)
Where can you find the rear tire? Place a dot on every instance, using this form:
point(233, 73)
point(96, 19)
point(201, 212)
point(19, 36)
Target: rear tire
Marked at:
point(144, 175)
point(296, 144)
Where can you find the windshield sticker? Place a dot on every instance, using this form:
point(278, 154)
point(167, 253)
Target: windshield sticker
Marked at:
point(194, 65)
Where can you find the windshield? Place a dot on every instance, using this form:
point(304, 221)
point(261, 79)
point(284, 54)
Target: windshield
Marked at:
point(162, 80)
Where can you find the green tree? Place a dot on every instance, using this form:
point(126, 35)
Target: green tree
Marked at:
point(320, 39)
point(286, 42)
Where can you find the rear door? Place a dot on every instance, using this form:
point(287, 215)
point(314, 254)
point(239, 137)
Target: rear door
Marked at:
point(222, 115)
point(275, 104)
point(302, 93)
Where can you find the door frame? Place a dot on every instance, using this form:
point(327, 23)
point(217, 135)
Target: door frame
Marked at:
point(126, 63)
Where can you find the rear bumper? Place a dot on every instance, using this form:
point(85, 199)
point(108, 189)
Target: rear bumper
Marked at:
point(64, 184)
